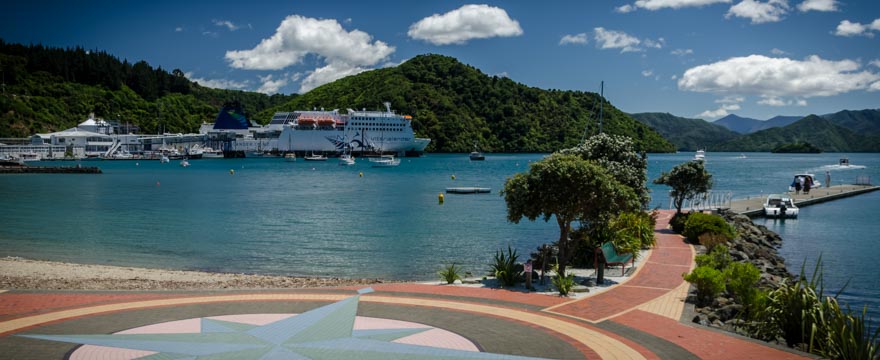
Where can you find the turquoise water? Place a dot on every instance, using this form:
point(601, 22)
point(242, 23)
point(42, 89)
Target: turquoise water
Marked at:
point(308, 218)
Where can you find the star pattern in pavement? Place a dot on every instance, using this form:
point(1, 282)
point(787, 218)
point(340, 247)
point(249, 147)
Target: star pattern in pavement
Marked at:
point(326, 332)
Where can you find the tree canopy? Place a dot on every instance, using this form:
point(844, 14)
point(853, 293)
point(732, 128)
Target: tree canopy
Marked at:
point(687, 180)
point(569, 188)
point(617, 155)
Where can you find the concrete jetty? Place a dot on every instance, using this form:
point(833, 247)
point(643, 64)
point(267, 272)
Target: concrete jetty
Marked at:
point(19, 169)
point(754, 206)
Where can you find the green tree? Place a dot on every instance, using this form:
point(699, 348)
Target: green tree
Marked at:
point(617, 154)
point(687, 181)
point(568, 188)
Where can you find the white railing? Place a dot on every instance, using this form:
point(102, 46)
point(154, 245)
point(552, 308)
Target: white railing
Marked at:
point(711, 200)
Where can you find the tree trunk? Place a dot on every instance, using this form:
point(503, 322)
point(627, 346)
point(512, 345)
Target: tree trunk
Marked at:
point(563, 244)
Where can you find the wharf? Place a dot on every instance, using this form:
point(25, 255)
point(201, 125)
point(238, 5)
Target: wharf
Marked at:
point(468, 190)
point(754, 206)
point(19, 169)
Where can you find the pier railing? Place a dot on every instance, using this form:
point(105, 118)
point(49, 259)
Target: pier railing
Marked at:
point(712, 200)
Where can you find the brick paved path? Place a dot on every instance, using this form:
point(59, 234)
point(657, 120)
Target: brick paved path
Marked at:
point(637, 319)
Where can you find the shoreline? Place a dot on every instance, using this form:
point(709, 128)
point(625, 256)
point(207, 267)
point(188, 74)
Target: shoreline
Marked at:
point(25, 274)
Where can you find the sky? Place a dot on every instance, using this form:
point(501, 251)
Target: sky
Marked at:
point(693, 58)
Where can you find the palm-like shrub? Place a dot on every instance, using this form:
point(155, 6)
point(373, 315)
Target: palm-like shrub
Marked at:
point(563, 283)
point(504, 268)
point(450, 274)
point(632, 231)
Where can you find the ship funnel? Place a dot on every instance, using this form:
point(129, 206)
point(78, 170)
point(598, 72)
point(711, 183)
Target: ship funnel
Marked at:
point(387, 106)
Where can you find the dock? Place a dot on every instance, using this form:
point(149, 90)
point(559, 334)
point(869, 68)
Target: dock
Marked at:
point(754, 206)
point(468, 190)
point(19, 169)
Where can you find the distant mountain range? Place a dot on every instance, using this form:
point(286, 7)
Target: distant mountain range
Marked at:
point(744, 125)
point(844, 131)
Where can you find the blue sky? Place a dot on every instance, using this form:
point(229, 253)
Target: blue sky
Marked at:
point(692, 58)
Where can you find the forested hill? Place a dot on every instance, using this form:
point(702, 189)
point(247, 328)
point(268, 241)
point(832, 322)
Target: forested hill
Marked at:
point(457, 105)
point(686, 134)
point(49, 89)
point(812, 129)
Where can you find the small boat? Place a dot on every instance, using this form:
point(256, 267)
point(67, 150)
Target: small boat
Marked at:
point(346, 160)
point(164, 159)
point(742, 156)
point(385, 161)
point(184, 163)
point(844, 162)
point(315, 157)
point(210, 153)
point(290, 157)
point(780, 206)
point(476, 155)
point(700, 155)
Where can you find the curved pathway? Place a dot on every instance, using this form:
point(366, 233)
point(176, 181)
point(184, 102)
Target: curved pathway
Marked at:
point(637, 319)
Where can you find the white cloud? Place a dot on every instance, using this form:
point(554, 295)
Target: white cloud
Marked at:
point(818, 5)
point(682, 52)
point(218, 83)
point(673, 77)
point(658, 44)
point(759, 12)
point(611, 39)
point(326, 74)
point(574, 39)
point(875, 86)
point(847, 28)
point(777, 101)
point(730, 100)
point(776, 51)
point(298, 36)
point(463, 24)
point(670, 4)
point(178, 29)
point(875, 62)
point(226, 23)
point(777, 77)
point(269, 85)
point(209, 33)
point(502, 74)
point(647, 73)
point(623, 9)
point(724, 110)
point(343, 52)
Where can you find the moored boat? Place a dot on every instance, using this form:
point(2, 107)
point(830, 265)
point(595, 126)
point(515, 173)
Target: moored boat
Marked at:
point(384, 161)
point(780, 206)
point(700, 155)
point(290, 157)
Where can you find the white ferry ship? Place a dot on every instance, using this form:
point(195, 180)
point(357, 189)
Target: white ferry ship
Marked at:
point(328, 132)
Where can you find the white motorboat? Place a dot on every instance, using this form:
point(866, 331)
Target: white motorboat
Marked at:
point(211, 153)
point(184, 163)
point(801, 181)
point(384, 161)
point(315, 157)
point(290, 157)
point(346, 160)
point(700, 155)
point(164, 159)
point(844, 162)
point(476, 155)
point(780, 206)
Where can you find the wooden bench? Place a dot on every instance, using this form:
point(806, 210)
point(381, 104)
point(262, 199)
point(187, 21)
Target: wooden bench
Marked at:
point(613, 258)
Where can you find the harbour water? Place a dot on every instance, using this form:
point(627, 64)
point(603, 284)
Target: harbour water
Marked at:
point(317, 218)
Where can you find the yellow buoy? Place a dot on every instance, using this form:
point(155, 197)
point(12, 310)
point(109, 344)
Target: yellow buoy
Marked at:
point(361, 174)
point(231, 171)
point(440, 197)
point(453, 177)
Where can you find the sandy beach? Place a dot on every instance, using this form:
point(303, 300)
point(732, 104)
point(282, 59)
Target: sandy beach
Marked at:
point(19, 273)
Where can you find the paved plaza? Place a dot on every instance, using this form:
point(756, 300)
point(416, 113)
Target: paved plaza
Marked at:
point(640, 318)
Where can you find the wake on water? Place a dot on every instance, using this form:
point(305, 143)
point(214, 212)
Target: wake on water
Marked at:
point(841, 167)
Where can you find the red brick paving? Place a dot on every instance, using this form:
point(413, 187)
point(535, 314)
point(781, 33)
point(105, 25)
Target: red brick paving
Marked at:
point(471, 292)
point(14, 305)
point(706, 344)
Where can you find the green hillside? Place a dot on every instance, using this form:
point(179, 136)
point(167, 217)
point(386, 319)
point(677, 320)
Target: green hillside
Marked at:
point(818, 131)
point(866, 122)
point(686, 134)
point(50, 89)
point(456, 105)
